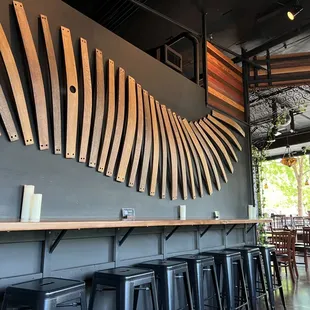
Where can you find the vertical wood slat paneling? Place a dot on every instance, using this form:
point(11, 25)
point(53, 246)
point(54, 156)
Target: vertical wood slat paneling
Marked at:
point(147, 141)
point(72, 93)
point(17, 88)
point(110, 117)
point(99, 110)
point(55, 87)
point(130, 130)
point(88, 101)
point(36, 77)
point(119, 122)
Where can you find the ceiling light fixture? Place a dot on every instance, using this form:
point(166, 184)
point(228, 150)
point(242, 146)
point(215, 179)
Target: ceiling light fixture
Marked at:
point(294, 11)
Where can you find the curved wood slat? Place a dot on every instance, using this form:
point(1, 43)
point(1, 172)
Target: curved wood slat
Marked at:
point(188, 157)
point(220, 125)
point(209, 156)
point(99, 112)
point(139, 139)
point(119, 122)
point(35, 76)
point(110, 117)
point(72, 93)
point(173, 154)
point(201, 156)
point(195, 156)
point(17, 88)
point(88, 101)
point(130, 130)
point(54, 81)
point(214, 151)
point(155, 161)
point(228, 121)
point(219, 144)
point(164, 151)
point(147, 141)
point(223, 138)
point(7, 119)
point(181, 154)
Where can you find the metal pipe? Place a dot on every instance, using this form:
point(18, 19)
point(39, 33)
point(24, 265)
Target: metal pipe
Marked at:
point(273, 42)
point(195, 42)
point(250, 62)
point(148, 9)
point(204, 56)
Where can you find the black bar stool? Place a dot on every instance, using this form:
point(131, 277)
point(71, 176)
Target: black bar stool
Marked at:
point(269, 256)
point(230, 271)
point(127, 281)
point(167, 273)
point(198, 266)
point(45, 294)
point(253, 267)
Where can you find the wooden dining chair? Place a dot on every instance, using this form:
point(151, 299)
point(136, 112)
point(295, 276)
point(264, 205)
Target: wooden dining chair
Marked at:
point(305, 246)
point(284, 242)
point(278, 222)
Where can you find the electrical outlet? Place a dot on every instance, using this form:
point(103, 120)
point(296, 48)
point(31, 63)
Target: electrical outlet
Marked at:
point(128, 214)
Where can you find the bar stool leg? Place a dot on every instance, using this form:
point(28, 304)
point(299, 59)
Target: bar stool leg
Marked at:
point(92, 295)
point(244, 290)
point(154, 295)
point(136, 297)
point(229, 285)
point(268, 274)
point(125, 296)
point(5, 303)
point(278, 276)
point(188, 290)
point(262, 280)
point(216, 286)
point(83, 301)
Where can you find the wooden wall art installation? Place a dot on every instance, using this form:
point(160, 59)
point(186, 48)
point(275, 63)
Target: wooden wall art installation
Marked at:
point(125, 133)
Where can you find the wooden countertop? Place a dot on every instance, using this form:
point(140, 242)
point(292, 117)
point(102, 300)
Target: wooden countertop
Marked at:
point(70, 225)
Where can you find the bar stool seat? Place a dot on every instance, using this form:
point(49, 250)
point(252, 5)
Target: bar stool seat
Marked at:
point(127, 282)
point(45, 294)
point(167, 273)
point(198, 266)
point(230, 271)
point(252, 265)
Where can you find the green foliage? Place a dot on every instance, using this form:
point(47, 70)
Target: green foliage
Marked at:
point(282, 185)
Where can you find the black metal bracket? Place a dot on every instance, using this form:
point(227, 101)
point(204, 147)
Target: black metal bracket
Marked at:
point(252, 226)
point(57, 240)
point(172, 232)
point(231, 229)
point(205, 231)
point(120, 242)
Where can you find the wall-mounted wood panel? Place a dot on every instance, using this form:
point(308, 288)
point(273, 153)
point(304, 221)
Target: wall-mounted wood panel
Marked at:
point(225, 86)
point(283, 70)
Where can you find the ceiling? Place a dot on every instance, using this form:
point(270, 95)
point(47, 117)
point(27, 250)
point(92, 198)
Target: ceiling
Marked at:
point(232, 24)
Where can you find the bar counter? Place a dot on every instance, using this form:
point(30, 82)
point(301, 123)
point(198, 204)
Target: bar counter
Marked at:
point(71, 225)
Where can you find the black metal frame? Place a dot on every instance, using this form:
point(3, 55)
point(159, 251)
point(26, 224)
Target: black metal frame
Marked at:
point(129, 231)
point(205, 231)
point(230, 229)
point(57, 240)
point(172, 232)
point(252, 226)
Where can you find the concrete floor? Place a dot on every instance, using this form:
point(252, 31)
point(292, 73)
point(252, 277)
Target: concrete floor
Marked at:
point(297, 296)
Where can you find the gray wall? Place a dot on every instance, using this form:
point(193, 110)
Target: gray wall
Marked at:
point(73, 191)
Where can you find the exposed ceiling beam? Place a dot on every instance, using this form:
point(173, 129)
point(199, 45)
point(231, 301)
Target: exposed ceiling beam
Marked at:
point(294, 153)
point(291, 139)
point(273, 42)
